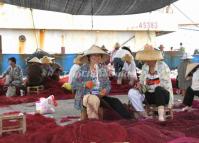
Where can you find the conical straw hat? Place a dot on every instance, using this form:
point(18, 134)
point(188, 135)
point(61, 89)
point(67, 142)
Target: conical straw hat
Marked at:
point(149, 54)
point(35, 60)
point(95, 50)
point(190, 68)
point(46, 60)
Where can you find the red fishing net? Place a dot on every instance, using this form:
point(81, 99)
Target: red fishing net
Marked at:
point(185, 140)
point(184, 128)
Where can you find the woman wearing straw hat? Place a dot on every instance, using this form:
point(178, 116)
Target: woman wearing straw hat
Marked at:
point(117, 59)
point(155, 78)
point(47, 70)
point(34, 72)
point(91, 85)
point(128, 70)
point(192, 71)
point(76, 66)
point(56, 69)
point(77, 63)
point(90, 82)
point(183, 83)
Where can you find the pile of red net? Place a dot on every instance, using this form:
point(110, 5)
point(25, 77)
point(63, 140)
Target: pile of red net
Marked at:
point(184, 128)
point(54, 88)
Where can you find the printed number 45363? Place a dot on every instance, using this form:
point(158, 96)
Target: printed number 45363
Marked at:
point(148, 25)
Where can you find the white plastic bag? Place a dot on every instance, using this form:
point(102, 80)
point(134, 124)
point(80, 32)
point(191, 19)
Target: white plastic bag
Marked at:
point(46, 105)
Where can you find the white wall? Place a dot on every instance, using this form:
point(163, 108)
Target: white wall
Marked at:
point(22, 18)
point(10, 41)
point(74, 41)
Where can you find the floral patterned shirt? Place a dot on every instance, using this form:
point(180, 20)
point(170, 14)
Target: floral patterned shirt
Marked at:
point(82, 76)
point(164, 75)
point(15, 75)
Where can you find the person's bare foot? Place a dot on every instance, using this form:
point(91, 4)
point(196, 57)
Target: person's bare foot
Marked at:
point(187, 108)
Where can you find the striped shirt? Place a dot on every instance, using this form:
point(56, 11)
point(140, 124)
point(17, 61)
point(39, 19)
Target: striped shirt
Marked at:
point(152, 81)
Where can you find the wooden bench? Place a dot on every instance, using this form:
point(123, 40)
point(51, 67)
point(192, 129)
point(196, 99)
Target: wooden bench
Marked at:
point(35, 89)
point(18, 118)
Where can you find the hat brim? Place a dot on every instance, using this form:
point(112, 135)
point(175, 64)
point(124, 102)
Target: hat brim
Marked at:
point(190, 68)
point(93, 51)
point(105, 57)
point(35, 60)
point(149, 55)
point(46, 60)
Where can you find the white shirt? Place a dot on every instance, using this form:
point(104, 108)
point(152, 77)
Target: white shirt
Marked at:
point(72, 72)
point(130, 69)
point(113, 55)
point(195, 80)
point(121, 53)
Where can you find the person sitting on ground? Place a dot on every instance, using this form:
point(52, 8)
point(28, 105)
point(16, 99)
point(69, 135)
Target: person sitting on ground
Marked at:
point(117, 59)
point(128, 71)
point(34, 72)
point(76, 66)
point(183, 83)
point(91, 81)
point(91, 84)
point(56, 70)
point(191, 72)
point(13, 76)
point(154, 81)
point(47, 70)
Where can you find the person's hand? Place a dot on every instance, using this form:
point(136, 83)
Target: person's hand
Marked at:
point(103, 92)
point(89, 84)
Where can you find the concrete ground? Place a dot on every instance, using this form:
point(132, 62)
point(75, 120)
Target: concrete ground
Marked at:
point(65, 108)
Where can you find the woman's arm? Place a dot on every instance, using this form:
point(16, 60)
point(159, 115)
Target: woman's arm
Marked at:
point(143, 74)
point(6, 72)
point(132, 71)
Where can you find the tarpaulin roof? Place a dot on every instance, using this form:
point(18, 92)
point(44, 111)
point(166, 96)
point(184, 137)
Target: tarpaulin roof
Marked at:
point(93, 7)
